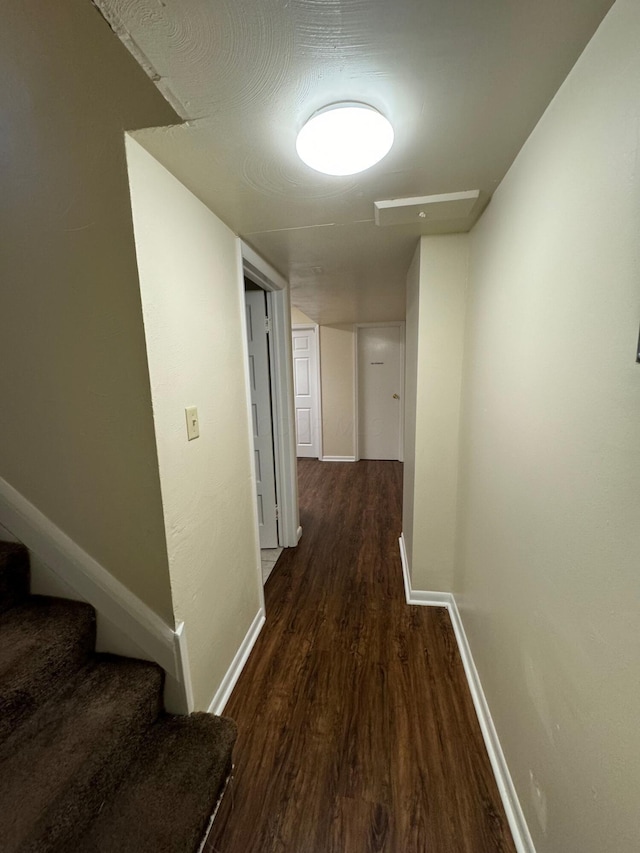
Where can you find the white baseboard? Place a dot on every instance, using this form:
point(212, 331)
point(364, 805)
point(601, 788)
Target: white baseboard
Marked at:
point(515, 816)
point(237, 665)
point(60, 567)
point(338, 459)
point(405, 568)
point(415, 596)
point(207, 833)
point(184, 670)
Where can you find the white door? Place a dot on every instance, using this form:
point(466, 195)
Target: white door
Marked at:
point(256, 309)
point(305, 385)
point(379, 392)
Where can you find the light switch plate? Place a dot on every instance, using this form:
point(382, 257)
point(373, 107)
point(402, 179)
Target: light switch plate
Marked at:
point(193, 425)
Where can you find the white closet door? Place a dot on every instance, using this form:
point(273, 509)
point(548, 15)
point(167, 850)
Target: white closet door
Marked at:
point(305, 381)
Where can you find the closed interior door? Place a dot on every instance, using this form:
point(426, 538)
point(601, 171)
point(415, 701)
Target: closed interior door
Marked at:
point(379, 392)
point(261, 416)
point(305, 381)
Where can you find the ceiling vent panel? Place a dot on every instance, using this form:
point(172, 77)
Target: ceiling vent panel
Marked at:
point(429, 208)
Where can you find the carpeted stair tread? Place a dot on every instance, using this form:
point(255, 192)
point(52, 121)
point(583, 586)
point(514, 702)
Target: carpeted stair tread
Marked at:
point(14, 574)
point(88, 760)
point(61, 764)
point(166, 798)
point(42, 642)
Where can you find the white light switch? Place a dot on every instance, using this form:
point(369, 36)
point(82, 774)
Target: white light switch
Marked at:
point(193, 426)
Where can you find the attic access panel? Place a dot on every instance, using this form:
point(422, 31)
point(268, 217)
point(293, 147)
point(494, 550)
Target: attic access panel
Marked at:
point(429, 208)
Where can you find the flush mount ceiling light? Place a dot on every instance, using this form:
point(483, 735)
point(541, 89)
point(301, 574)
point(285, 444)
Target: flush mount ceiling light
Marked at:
point(344, 138)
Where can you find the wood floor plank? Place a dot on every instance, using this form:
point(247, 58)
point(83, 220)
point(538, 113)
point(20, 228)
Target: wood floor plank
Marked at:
point(357, 731)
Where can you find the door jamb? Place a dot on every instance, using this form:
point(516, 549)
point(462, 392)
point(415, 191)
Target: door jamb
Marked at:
point(263, 274)
point(275, 408)
point(356, 403)
point(300, 327)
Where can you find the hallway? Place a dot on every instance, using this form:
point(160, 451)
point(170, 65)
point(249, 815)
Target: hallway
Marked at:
point(356, 727)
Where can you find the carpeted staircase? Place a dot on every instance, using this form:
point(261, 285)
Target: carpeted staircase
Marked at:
point(89, 760)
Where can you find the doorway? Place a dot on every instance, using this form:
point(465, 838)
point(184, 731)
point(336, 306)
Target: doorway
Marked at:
point(379, 390)
point(272, 292)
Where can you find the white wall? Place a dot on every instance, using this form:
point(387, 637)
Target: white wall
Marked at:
point(436, 302)
point(76, 431)
point(547, 576)
point(192, 292)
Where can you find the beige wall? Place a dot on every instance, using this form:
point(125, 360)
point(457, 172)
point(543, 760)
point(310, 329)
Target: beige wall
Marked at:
point(436, 301)
point(299, 317)
point(548, 576)
point(337, 374)
point(190, 276)
point(76, 433)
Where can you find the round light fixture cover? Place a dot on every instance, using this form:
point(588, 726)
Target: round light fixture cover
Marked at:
point(344, 139)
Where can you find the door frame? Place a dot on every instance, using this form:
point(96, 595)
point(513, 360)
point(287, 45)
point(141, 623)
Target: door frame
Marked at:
point(256, 269)
point(356, 385)
point(316, 328)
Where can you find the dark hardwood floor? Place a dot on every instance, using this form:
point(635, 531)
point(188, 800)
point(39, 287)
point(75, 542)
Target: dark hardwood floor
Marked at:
point(356, 727)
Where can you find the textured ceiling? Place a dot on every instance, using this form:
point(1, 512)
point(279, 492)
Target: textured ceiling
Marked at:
point(462, 81)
